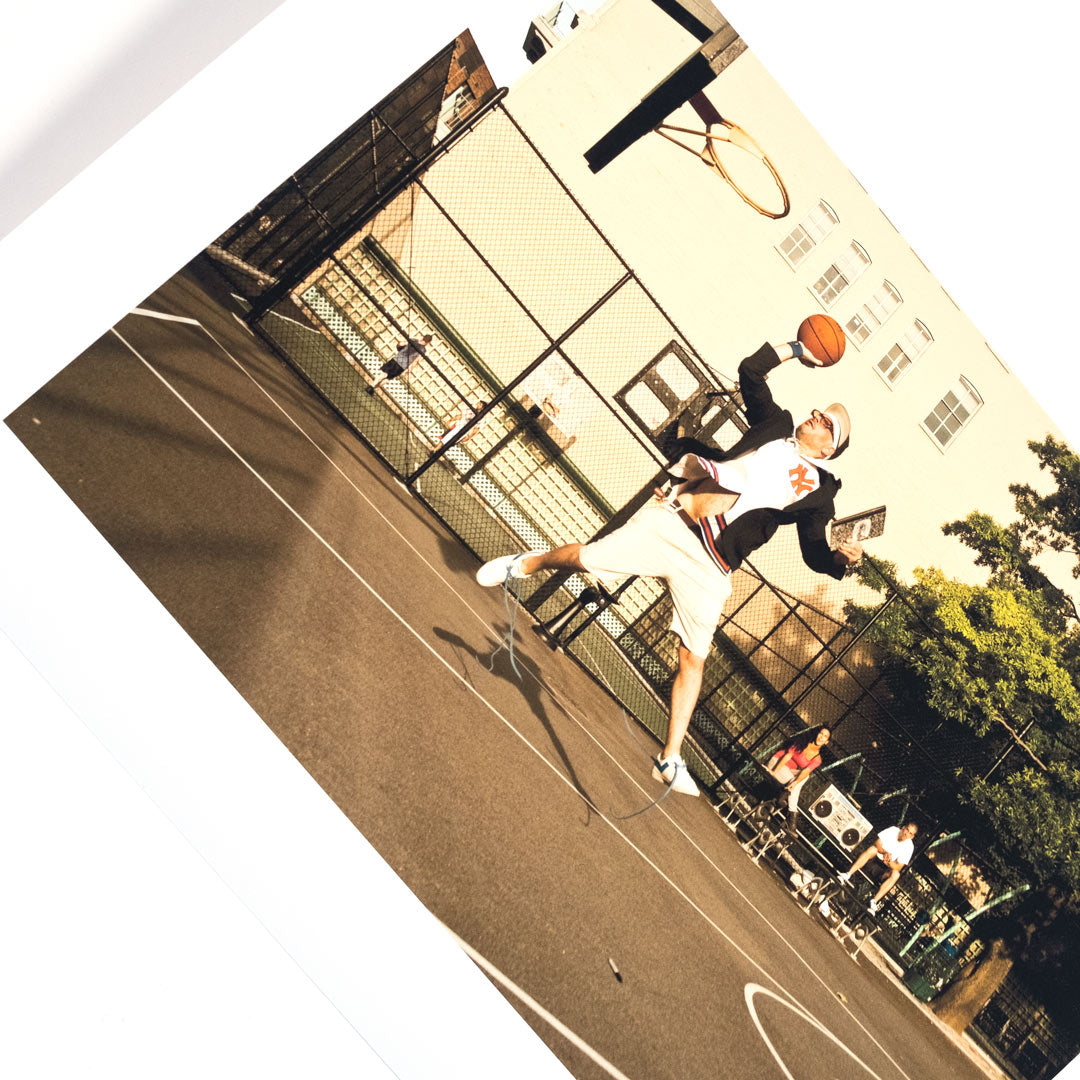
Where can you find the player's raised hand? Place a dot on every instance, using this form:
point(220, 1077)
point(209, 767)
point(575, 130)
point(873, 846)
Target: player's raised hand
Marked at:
point(796, 350)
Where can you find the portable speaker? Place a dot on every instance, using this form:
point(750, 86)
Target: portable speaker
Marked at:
point(840, 818)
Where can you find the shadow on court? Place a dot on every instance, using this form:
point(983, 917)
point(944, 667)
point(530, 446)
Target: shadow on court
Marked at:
point(529, 681)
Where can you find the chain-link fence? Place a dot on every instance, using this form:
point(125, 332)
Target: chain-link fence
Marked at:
point(1015, 1026)
point(483, 337)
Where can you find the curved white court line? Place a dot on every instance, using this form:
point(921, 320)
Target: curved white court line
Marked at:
point(751, 991)
point(757, 911)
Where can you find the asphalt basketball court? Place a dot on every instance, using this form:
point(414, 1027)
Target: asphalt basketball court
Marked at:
point(647, 946)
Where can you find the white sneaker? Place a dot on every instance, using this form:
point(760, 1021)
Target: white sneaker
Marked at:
point(673, 771)
point(845, 878)
point(498, 570)
point(824, 908)
point(873, 907)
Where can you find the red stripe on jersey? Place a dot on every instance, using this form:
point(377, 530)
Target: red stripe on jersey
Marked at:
point(709, 543)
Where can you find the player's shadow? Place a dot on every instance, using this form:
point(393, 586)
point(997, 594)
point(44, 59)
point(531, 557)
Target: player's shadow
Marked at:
point(533, 689)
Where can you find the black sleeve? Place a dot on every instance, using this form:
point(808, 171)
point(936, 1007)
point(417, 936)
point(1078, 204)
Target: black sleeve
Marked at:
point(816, 552)
point(759, 405)
point(677, 448)
point(756, 395)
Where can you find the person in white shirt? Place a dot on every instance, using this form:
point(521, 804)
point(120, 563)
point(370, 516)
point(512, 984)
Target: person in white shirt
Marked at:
point(459, 421)
point(723, 507)
point(894, 846)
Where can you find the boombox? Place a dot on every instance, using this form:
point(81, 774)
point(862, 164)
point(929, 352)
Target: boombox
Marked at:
point(840, 818)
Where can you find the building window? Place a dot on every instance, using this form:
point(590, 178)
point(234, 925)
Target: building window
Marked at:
point(562, 19)
point(907, 349)
point(841, 274)
point(953, 412)
point(808, 233)
point(873, 313)
point(454, 104)
point(546, 30)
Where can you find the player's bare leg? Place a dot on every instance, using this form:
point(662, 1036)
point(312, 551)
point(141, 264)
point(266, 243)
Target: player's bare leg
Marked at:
point(684, 694)
point(567, 557)
point(495, 572)
point(669, 767)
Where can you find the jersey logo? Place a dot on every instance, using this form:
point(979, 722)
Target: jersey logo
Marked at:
point(801, 480)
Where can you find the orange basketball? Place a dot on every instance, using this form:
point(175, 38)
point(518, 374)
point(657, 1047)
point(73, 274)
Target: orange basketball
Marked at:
point(822, 336)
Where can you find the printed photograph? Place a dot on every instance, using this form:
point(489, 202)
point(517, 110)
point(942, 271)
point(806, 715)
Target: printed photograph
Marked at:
point(598, 497)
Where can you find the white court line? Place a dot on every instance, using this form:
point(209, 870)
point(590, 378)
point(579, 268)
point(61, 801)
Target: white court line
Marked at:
point(779, 934)
point(166, 316)
point(295, 322)
point(527, 999)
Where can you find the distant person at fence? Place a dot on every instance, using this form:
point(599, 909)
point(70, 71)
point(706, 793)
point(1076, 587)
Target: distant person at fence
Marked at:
point(720, 508)
point(895, 847)
point(408, 352)
point(459, 421)
point(792, 766)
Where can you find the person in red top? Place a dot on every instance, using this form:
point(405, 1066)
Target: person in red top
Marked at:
point(792, 766)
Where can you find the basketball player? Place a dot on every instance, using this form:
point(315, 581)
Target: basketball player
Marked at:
point(720, 508)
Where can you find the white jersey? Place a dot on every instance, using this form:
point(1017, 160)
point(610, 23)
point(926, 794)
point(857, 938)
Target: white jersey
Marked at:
point(774, 475)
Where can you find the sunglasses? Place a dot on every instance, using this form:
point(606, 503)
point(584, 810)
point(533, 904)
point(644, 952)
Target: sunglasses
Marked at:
point(817, 414)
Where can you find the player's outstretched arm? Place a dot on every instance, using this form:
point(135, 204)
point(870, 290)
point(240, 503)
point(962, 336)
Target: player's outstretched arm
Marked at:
point(753, 372)
point(815, 548)
point(793, 350)
point(677, 448)
point(754, 387)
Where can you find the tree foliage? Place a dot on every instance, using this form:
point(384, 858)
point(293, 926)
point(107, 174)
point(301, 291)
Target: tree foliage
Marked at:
point(1037, 813)
point(1052, 521)
point(1003, 549)
point(992, 671)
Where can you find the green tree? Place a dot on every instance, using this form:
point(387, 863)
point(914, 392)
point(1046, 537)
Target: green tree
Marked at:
point(986, 668)
point(1052, 521)
point(992, 672)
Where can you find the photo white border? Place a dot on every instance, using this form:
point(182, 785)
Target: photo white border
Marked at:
point(951, 164)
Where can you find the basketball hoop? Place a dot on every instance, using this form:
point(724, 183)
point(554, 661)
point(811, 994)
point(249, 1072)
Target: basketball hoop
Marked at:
point(718, 129)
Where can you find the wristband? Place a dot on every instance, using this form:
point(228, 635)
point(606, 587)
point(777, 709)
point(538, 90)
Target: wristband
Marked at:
point(797, 349)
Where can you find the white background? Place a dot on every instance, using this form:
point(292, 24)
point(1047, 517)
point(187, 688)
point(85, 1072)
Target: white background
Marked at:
point(128, 949)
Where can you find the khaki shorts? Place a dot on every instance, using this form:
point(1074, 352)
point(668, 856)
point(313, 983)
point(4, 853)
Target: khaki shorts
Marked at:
point(656, 543)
